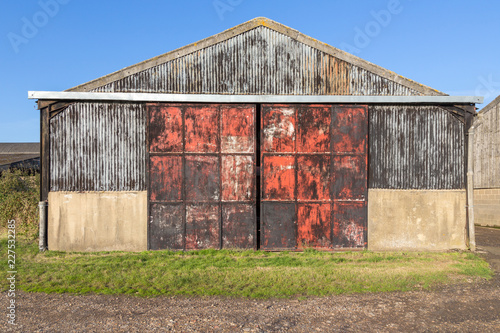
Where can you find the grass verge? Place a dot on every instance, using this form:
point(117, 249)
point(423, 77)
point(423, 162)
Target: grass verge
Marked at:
point(254, 274)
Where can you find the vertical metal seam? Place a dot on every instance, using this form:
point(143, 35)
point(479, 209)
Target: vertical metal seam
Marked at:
point(183, 187)
point(295, 190)
point(219, 155)
point(147, 170)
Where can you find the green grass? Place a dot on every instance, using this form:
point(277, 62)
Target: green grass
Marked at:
point(228, 273)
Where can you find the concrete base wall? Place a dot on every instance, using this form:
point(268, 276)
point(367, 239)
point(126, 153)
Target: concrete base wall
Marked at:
point(487, 207)
point(416, 220)
point(97, 221)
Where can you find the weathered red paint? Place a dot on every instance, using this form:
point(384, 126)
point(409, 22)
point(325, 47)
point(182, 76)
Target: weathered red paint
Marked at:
point(278, 128)
point(313, 129)
point(165, 129)
point(313, 177)
point(314, 225)
point(165, 173)
point(202, 129)
point(278, 177)
point(237, 129)
point(202, 227)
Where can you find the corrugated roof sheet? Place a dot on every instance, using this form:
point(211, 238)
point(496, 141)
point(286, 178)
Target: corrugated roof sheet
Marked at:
point(258, 57)
point(20, 148)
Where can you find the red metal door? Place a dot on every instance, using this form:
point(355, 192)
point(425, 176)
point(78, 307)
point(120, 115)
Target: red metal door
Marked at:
point(201, 176)
point(314, 176)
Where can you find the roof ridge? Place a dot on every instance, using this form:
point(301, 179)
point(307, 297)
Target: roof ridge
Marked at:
point(247, 26)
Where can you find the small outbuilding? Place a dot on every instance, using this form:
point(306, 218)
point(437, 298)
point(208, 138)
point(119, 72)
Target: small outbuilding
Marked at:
point(20, 156)
point(257, 137)
point(486, 151)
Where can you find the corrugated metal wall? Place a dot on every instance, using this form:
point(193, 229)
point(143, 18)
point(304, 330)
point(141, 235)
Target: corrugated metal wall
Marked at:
point(259, 61)
point(487, 148)
point(415, 147)
point(98, 147)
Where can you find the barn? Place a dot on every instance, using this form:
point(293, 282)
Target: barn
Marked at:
point(257, 137)
point(486, 152)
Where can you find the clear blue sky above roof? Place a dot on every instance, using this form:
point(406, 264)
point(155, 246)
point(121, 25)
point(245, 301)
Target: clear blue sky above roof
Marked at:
point(451, 46)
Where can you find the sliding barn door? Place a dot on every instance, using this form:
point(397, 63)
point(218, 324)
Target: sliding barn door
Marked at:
point(314, 176)
point(201, 176)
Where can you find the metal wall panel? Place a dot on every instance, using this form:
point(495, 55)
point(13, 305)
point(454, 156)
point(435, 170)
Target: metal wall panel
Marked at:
point(98, 147)
point(259, 61)
point(415, 147)
point(487, 147)
point(314, 176)
point(202, 173)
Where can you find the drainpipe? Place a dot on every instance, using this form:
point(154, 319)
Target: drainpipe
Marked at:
point(42, 233)
point(470, 190)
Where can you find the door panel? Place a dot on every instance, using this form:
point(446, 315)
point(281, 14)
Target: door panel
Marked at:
point(314, 225)
point(167, 220)
point(278, 177)
point(313, 175)
point(278, 227)
point(201, 176)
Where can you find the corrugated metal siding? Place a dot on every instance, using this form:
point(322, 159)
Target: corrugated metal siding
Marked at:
point(98, 147)
point(259, 61)
point(487, 149)
point(415, 147)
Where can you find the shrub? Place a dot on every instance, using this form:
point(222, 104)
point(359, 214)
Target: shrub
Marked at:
point(19, 196)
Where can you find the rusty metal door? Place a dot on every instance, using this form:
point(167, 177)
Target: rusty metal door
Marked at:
point(201, 176)
point(314, 176)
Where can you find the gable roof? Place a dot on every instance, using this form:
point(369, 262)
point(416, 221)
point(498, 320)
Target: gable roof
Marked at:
point(260, 56)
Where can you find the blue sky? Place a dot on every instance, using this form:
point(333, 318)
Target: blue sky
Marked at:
point(452, 46)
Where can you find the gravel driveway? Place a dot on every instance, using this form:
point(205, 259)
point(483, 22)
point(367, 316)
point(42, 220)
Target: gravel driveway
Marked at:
point(463, 308)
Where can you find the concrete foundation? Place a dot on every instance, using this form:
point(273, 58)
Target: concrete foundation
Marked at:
point(97, 221)
point(416, 220)
point(487, 207)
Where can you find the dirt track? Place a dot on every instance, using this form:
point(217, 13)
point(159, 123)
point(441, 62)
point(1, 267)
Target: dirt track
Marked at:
point(463, 308)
